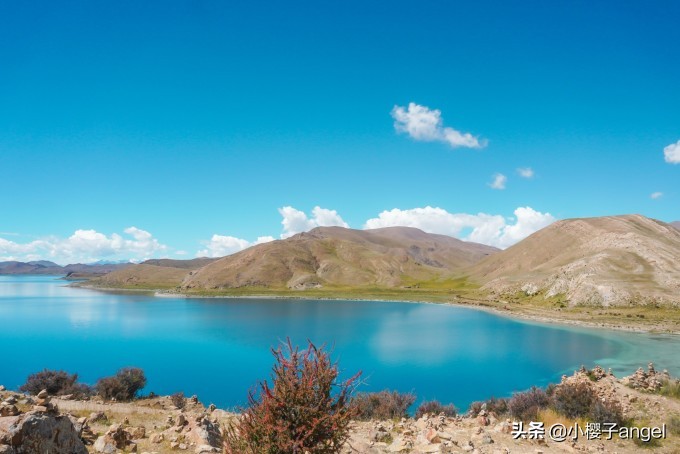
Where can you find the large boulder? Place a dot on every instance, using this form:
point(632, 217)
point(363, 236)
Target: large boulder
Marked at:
point(114, 440)
point(38, 432)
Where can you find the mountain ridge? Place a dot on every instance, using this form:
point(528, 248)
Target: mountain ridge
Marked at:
point(611, 260)
point(323, 257)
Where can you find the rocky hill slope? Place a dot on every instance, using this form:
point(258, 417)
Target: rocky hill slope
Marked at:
point(324, 257)
point(336, 256)
point(614, 260)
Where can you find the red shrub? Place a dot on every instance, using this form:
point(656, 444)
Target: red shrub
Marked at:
point(304, 410)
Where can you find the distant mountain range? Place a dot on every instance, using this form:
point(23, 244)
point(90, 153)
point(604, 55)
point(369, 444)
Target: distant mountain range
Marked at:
point(45, 267)
point(614, 260)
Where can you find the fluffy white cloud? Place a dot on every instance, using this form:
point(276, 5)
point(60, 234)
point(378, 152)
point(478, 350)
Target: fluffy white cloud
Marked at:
point(221, 245)
point(656, 195)
point(671, 153)
point(84, 246)
point(499, 181)
point(525, 172)
point(493, 230)
point(425, 124)
point(296, 221)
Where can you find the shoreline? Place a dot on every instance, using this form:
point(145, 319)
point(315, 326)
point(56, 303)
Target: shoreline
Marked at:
point(520, 315)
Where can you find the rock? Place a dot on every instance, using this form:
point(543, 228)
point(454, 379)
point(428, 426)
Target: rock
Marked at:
point(183, 446)
point(381, 436)
point(39, 409)
point(7, 449)
point(202, 431)
point(205, 449)
point(97, 416)
point(598, 373)
point(40, 433)
point(11, 400)
point(42, 394)
point(157, 438)
point(8, 409)
point(136, 433)
point(2, 388)
point(432, 436)
point(487, 440)
point(114, 439)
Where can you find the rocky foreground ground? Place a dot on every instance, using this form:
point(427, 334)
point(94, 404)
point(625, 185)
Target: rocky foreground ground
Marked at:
point(41, 424)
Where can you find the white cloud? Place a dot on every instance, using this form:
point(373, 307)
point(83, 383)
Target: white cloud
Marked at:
point(656, 195)
point(222, 245)
point(525, 172)
point(493, 230)
point(425, 124)
point(671, 153)
point(85, 246)
point(296, 221)
point(499, 181)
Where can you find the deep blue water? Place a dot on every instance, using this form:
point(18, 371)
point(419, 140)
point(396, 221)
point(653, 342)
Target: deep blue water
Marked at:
point(220, 348)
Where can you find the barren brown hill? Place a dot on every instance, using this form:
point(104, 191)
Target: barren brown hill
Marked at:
point(142, 276)
point(192, 264)
point(340, 257)
point(614, 260)
point(676, 224)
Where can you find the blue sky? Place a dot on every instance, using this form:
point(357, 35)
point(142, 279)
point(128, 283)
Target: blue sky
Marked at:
point(200, 121)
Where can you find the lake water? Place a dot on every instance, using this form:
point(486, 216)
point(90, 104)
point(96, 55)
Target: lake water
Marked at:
point(219, 348)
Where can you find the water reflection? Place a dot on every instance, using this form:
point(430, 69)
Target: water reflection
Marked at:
point(218, 348)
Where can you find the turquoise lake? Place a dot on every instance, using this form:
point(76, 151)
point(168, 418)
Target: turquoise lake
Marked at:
point(219, 348)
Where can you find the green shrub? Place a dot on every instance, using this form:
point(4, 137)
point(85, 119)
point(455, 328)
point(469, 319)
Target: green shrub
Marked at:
point(670, 388)
point(434, 407)
point(56, 382)
point(123, 386)
point(526, 405)
point(673, 425)
point(383, 405)
point(304, 410)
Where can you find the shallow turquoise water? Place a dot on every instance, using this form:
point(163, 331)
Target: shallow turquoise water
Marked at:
point(219, 348)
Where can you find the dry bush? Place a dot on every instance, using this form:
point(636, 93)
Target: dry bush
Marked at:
point(434, 407)
point(123, 386)
point(493, 405)
point(607, 412)
point(526, 405)
point(56, 382)
point(574, 400)
point(383, 405)
point(178, 400)
point(304, 410)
